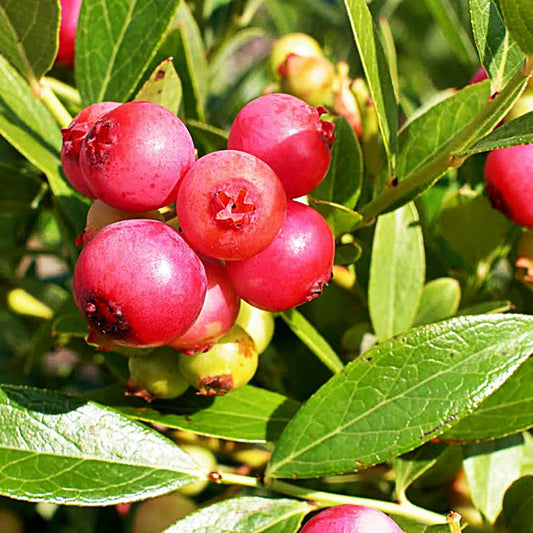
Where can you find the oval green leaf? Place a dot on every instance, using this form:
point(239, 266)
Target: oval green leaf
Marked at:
point(440, 300)
point(518, 17)
point(29, 35)
point(401, 394)
point(518, 506)
point(397, 272)
point(340, 219)
point(115, 42)
point(245, 514)
point(62, 450)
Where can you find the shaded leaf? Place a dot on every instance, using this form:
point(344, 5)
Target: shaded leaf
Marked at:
point(211, 138)
point(518, 506)
point(490, 468)
point(508, 411)
point(20, 187)
point(305, 331)
point(515, 132)
point(340, 219)
point(397, 272)
point(115, 41)
point(62, 450)
point(487, 308)
point(440, 300)
point(347, 254)
point(29, 36)
point(401, 394)
point(162, 87)
point(248, 414)
point(499, 53)
point(245, 514)
point(377, 74)
point(342, 184)
point(519, 20)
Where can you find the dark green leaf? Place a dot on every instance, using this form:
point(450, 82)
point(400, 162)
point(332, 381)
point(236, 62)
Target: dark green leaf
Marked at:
point(340, 219)
point(29, 36)
point(487, 308)
point(20, 187)
point(448, 21)
point(62, 450)
point(248, 414)
point(401, 394)
point(440, 300)
point(517, 131)
point(518, 17)
point(397, 271)
point(245, 514)
point(115, 42)
point(509, 410)
point(499, 53)
point(490, 468)
point(518, 506)
point(347, 254)
point(305, 331)
point(342, 184)
point(163, 87)
point(190, 62)
point(211, 138)
point(377, 73)
point(410, 526)
point(429, 133)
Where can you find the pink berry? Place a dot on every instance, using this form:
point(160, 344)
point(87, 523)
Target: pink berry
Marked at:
point(509, 181)
point(351, 519)
point(287, 134)
point(135, 155)
point(73, 137)
point(480, 75)
point(218, 314)
point(230, 205)
point(138, 283)
point(70, 10)
point(293, 269)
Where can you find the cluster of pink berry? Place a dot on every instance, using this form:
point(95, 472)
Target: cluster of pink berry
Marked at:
point(140, 282)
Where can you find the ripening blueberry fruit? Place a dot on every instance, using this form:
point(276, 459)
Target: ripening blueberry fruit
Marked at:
point(230, 205)
point(293, 268)
point(134, 156)
point(509, 182)
point(292, 43)
point(138, 283)
point(289, 136)
point(218, 314)
point(70, 11)
point(73, 137)
point(350, 519)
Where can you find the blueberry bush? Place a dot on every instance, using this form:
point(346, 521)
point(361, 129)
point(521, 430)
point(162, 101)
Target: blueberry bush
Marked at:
point(222, 357)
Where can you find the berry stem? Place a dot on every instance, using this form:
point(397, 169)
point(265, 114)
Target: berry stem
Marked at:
point(54, 105)
point(405, 509)
point(429, 173)
point(454, 522)
point(66, 92)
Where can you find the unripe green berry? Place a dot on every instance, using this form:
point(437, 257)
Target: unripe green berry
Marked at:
point(292, 43)
point(204, 459)
point(257, 323)
point(156, 376)
point(230, 364)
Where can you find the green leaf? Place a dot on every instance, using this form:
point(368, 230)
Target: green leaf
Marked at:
point(397, 271)
point(191, 64)
point(347, 254)
point(410, 526)
point(342, 184)
point(519, 20)
point(487, 308)
point(440, 300)
point(401, 394)
point(29, 36)
point(115, 42)
point(377, 74)
point(62, 450)
point(245, 514)
point(472, 227)
point(499, 53)
point(163, 87)
point(30, 128)
point(305, 331)
point(507, 411)
point(427, 135)
point(490, 468)
point(211, 138)
point(516, 132)
point(248, 414)
point(449, 23)
point(341, 219)
point(20, 187)
point(518, 506)
point(409, 467)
